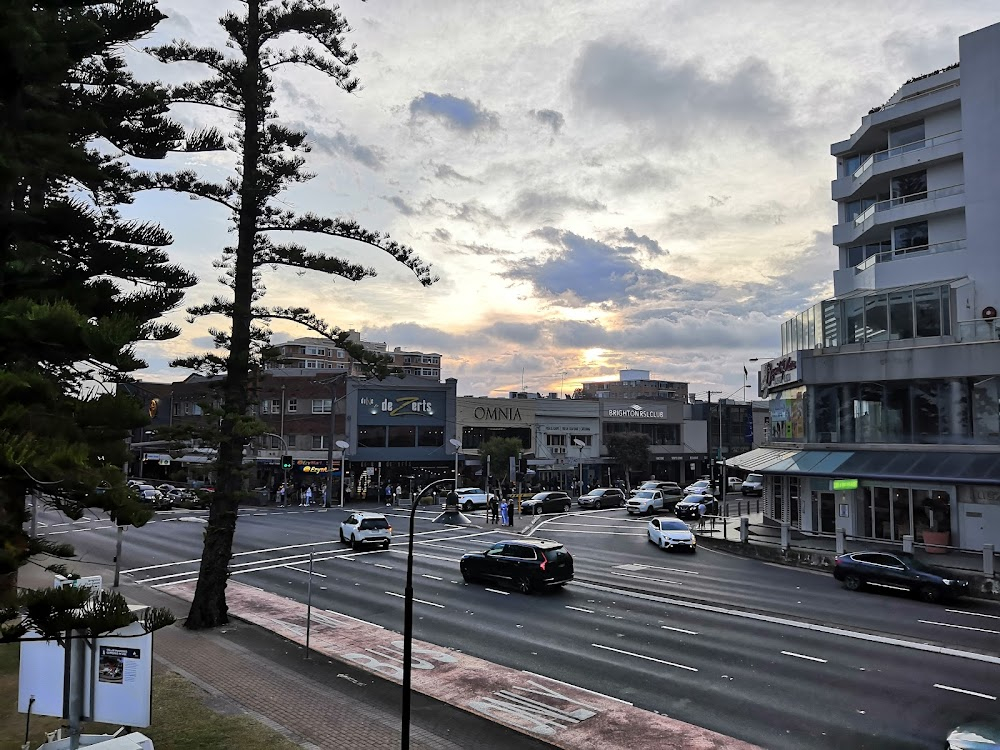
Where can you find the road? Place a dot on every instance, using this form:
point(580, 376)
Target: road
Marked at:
point(777, 656)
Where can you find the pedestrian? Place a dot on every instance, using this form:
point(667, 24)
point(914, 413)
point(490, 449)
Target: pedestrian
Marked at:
point(504, 512)
point(494, 509)
point(399, 493)
point(388, 494)
point(701, 514)
point(281, 496)
point(308, 495)
point(325, 505)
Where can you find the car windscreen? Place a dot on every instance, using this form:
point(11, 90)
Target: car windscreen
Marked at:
point(374, 523)
point(755, 478)
point(555, 553)
point(673, 526)
point(644, 494)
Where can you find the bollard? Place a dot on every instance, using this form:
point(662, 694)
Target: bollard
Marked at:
point(309, 601)
point(785, 535)
point(744, 529)
point(841, 541)
point(988, 569)
point(908, 543)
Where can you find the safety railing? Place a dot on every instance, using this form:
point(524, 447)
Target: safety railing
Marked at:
point(909, 252)
point(902, 199)
point(880, 156)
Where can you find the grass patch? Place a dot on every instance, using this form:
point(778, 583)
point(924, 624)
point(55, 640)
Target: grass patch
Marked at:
point(181, 720)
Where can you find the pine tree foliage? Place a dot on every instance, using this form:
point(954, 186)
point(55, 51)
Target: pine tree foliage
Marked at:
point(271, 158)
point(80, 285)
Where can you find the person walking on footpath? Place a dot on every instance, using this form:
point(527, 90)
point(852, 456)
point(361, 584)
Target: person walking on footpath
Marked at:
point(324, 497)
point(308, 496)
point(388, 494)
point(504, 511)
point(701, 515)
point(494, 509)
point(281, 496)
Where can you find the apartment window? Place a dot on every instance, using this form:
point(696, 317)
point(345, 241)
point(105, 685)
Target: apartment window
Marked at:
point(293, 405)
point(275, 441)
point(860, 253)
point(427, 372)
point(290, 439)
point(910, 236)
point(187, 407)
point(270, 406)
point(321, 405)
point(340, 354)
point(320, 442)
point(906, 138)
point(555, 439)
point(407, 360)
point(311, 364)
point(177, 408)
point(909, 187)
point(316, 352)
point(585, 439)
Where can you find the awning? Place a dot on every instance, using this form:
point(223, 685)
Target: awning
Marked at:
point(193, 459)
point(811, 463)
point(759, 458)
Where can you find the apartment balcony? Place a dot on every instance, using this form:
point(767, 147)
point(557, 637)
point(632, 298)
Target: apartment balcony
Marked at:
point(877, 220)
point(901, 267)
point(876, 172)
point(979, 330)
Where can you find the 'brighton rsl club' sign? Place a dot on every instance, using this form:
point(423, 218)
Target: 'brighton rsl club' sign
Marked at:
point(779, 372)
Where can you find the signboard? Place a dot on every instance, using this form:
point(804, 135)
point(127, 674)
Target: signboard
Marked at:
point(780, 372)
point(388, 407)
point(845, 484)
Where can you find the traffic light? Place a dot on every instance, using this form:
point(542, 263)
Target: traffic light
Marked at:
point(286, 462)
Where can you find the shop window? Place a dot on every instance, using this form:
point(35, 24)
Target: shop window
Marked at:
point(430, 437)
point(555, 439)
point(931, 512)
point(901, 315)
point(927, 411)
point(402, 436)
point(927, 307)
point(372, 436)
point(854, 318)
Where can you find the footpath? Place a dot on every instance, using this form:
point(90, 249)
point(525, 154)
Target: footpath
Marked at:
point(346, 696)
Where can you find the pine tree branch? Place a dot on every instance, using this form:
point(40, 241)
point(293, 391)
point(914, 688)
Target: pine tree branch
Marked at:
point(188, 182)
point(298, 256)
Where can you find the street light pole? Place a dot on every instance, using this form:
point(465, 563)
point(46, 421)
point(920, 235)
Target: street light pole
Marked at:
point(580, 444)
point(343, 445)
point(456, 444)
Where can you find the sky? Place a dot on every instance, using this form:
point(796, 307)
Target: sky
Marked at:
point(598, 185)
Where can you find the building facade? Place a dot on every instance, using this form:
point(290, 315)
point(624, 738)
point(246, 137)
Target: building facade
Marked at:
point(893, 385)
point(317, 353)
point(632, 385)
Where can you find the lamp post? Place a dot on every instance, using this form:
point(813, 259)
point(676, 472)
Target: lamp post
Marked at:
point(343, 445)
point(452, 516)
point(580, 444)
point(456, 444)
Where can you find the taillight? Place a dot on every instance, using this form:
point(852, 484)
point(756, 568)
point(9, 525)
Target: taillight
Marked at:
point(544, 561)
point(836, 561)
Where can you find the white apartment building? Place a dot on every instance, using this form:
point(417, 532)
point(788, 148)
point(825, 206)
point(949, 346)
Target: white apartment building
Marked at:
point(316, 353)
point(893, 385)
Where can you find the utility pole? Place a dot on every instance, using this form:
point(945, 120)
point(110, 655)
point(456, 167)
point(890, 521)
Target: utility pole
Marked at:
point(284, 446)
point(708, 435)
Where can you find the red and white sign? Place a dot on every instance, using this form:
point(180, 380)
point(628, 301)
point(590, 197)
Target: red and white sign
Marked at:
point(780, 372)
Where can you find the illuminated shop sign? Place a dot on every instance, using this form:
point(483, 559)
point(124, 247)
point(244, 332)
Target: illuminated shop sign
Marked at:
point(781, 371)
point(636, 413)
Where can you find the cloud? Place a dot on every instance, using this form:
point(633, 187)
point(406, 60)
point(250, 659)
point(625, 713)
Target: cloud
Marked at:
point(652, 246)
point(341, 144)
point(632, 83)
point(583, 271)
point(404, 208)
point(549, 118)
point(448, 174)
point(536, 207)
point(454, 112)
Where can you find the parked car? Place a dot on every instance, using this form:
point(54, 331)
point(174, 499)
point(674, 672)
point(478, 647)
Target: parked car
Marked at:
point(688, 507)
point(899, 571)
point(668, 488)
point(670, 533)
point(546, 502)
point(530, 564)
point(602, 497)
point(734, 483)
point(472, 498)
point(152, 496)
point(702, 486)
point(975, 735)
point(644, 502)
point(753, 485)
point(165, 488)
point(365, 528)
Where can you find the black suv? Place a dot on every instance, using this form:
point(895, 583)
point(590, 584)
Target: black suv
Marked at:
point(546, 502)
point(899, 571)
point(530, 564)
point(602, 497)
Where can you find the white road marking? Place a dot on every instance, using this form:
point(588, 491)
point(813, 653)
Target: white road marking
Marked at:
point(498, 591)
point(258, 514)
point(581, 609)
point(642, 656)
point(803, 656)
point(959, 627)
point(53, 533)
point(679, 630)
point(966, 692)
point(429, 557)
point(577, 687)
point(83, 520)
point(380, 565)
point(647, 578)
point(605, 533)
point(171, 583)
point(886, 640)
point(305, 570)
point(278, 562)
point(442, 546)
point(435, 578)
point(672, 570)
point(391, 593)
point(974, 614)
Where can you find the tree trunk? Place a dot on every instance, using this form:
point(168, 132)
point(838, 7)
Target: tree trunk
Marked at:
point(208, 608)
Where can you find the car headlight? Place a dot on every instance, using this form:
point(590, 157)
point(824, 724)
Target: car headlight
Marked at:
point(952, 582)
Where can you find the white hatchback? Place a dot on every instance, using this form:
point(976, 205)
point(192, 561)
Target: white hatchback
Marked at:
point(669, 533)
point(366, 528)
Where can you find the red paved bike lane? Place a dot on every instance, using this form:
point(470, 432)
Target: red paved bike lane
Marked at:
point(560, 714)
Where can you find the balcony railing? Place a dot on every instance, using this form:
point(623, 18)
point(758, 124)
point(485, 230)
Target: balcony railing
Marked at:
point(911, 198)
point(909, 252)
point(880, 156)
point(981, 329)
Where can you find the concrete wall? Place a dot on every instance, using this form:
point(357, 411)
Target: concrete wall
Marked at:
point(878, 362)
point(940, 123)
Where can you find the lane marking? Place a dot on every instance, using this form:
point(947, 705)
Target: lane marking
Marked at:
point(429, 557)
point(974, 614)
point(886, 640)
point(305, 570)
point(679, 630)
point(581, 609)
point(959, 627)
point(576, 687)
point(647, 578)
point(443, 546)
point(643, 656)
point(435, 578)
point(803, 656)
point(172, 583)
point(380, 565)
point(400, 596)
point(673, 570)
point(498, 591)
point(966, 692)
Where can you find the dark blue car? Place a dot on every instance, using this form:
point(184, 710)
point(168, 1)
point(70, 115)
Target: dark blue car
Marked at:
point(900, 572)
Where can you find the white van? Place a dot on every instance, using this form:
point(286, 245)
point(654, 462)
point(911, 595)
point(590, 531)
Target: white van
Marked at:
point(753, 485)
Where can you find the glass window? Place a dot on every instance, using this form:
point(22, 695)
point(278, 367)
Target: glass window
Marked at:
point(909, 236)
point(927, 410)
point(909, 187)
point(290, 440)
point(901, 512)
point(319, 442)
point(931, 511)
point(293, 405)
point(851, 164)
point(906, 138)
point(986, 410)
point(927, 308)
point(854, 317)
point(876, 318)
point(882, 514)
point(901, 315)
point(402, 436)
point(554, 439)
point(371, 436)
point(430, 437)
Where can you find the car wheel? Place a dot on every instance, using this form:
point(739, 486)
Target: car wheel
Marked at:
point(930, 594)
point(468, 506)
point(355, 544)
point(649, 536)
point(597, 505)
point(537, 510)
point(566, 507)
point(466, 576)
point(343, 540)
point(663, 543)
point(385, 544)
point(743, 492)
point(649, 511)
point(524, 585)
point(853, 583)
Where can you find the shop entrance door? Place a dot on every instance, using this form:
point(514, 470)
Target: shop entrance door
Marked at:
point(827, 512)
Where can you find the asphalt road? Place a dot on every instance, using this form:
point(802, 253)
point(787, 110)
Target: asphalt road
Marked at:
point(777, 656)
